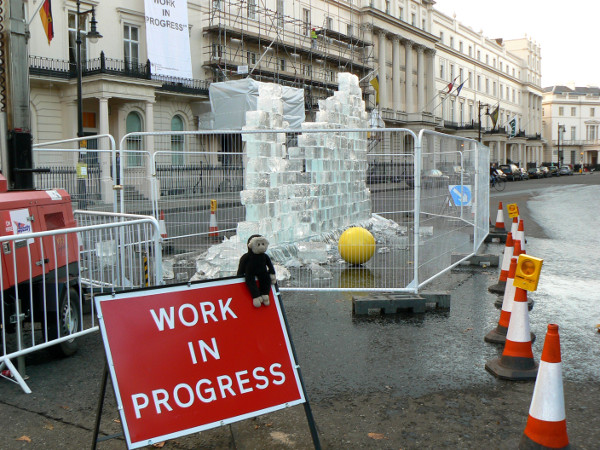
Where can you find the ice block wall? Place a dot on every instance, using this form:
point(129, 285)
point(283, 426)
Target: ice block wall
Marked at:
point(316, 187)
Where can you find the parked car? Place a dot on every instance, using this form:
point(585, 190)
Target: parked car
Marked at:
point(512, 171)
point(545, 171)
point(535, 172)
point(434, 178)
point(524, 174)
point(500, 174)
point(554, 171)
point(565, 170)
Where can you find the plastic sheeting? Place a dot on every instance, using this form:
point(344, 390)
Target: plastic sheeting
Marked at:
point(230, 100)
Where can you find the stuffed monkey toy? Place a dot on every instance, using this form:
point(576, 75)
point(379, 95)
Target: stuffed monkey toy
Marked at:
point(254, 265)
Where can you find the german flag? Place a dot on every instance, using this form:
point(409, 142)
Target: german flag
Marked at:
point(46, 16)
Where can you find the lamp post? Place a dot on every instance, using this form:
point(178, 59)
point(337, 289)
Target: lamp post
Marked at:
point(561, 128)
point(93, 37)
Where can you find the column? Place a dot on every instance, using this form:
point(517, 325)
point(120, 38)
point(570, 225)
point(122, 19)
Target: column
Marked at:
point(420, 79)
point(396, 72)
point(430, 81)
point(383, 101)
point(408, 67)
point(106, 182)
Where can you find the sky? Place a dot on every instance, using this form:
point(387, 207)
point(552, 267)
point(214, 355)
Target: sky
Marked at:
point(566, 32)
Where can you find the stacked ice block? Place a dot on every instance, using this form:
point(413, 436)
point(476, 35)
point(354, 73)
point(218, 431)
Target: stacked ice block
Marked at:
point(295, 193)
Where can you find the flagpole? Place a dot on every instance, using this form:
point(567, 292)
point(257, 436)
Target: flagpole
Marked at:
point(37, 10)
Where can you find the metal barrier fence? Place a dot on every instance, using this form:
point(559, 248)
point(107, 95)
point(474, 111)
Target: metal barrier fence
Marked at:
point(48, 280)
point(307, 186)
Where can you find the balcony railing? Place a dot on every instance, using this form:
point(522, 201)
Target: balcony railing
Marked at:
point(56, 68)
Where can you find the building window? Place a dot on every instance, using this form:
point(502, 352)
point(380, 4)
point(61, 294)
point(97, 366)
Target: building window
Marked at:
point(250, 58)
point(451, 72)
point(500, 66)
point(442, 71)
point(460, 75)
point(349, 30)
point(494, 62)
point(306, 21)
point(487, 85)
point(306, 70)
point(387, 6)
point(461, 112)
point(592, 112)
point(478, 55)
point(423, 24)
point(479, 83)
point(592, 132)
point(470, 51)
point(217, 51)
point(470, 112)
point(251, 9)
point(282, 64)
point(131, 46)
point(177, 141)
point(441, 37)
point(401, 13)
point(501, 92)
point(460, 46)
point(487, 59)
point(452, 41)
point(133, 124)
point(413, 19)
point(73, 37)
point(470, 79)
point(329, 22)
point(573, 111)
point(573, 133)
point(494, 89)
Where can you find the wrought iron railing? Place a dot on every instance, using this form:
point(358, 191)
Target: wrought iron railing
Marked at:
point(198, 179)
point(57, 68)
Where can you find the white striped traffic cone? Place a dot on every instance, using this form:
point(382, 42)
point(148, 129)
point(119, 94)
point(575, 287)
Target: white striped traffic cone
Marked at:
point(514, 227)
point(521, 235)
point(162, 226)
point(498, 288)
point(516, 362)
point(213, 229)
point(547, 424)
point(498, 334)
point(499, 226)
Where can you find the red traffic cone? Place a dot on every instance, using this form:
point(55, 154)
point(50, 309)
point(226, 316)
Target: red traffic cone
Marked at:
point(514, 227)
point(498, 334)
point(516, 362)
point(498, 288)
point(162, 225)
point(499, 226)
point(521, 235)
point(213, 229)
point(547, 424)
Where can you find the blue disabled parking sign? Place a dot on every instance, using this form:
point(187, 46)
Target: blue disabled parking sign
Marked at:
point(461, 194)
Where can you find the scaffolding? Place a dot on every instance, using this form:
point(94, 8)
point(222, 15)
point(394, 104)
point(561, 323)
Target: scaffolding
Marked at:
point(303, 46)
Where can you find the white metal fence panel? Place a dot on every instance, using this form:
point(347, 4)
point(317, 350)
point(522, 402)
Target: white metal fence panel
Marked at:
point(48, 279)
point(452, 208)
point(87, 173)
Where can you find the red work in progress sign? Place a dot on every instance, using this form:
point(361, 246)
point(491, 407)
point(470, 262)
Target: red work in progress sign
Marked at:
point(187, 358)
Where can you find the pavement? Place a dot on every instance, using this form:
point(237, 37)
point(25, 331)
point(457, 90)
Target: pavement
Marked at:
point(411, 381)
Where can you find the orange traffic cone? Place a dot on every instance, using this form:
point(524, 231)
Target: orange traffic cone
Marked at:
point(547, 424)
point(213, 229)
point(498, 334)
point(162, 225)
point(499, 287)
point(514, 227)
point(499, 226)
point(516, 362)
point(521, 235)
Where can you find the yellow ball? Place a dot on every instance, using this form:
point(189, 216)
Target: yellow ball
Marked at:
point(356, 245)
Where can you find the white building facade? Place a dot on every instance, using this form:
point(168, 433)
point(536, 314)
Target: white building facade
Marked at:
point(414, 50)
point(571, 121)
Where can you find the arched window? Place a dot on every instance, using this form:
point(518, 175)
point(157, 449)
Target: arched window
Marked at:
point(177, 141)
point(134, 124)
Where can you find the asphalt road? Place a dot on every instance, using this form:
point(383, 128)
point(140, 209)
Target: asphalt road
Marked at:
point(405, 381)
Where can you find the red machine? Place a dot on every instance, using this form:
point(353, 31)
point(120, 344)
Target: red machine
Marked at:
point(42, 274)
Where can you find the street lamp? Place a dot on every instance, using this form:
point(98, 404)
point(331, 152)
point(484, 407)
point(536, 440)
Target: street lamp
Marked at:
point(93, 37)
point(561, 128)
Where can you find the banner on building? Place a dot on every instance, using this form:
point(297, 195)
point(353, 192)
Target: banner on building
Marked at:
point(167, 35)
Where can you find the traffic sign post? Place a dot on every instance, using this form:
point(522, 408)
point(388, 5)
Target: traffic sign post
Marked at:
point(187, 358)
